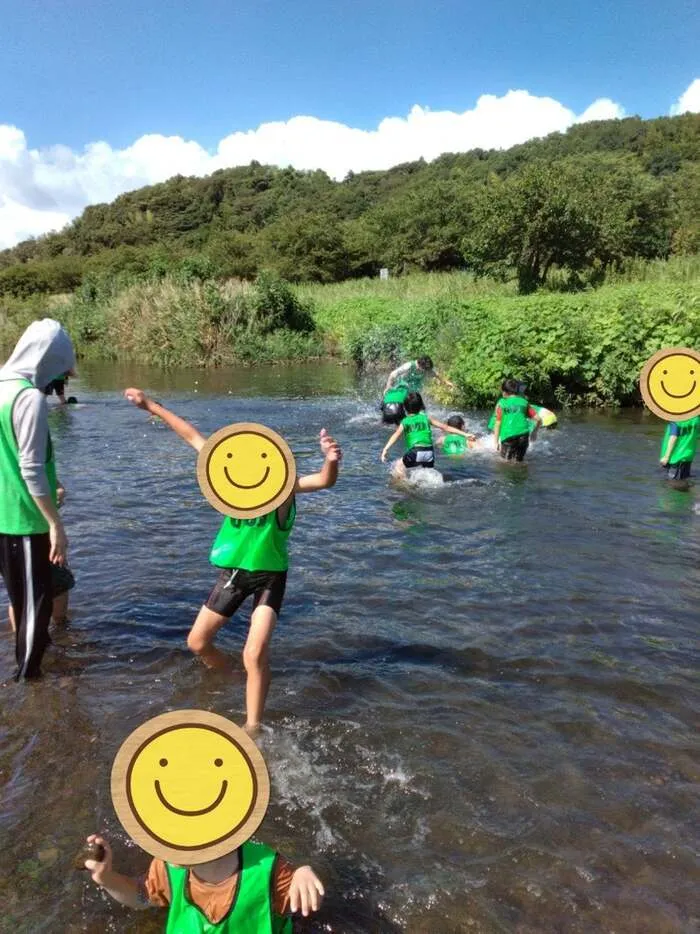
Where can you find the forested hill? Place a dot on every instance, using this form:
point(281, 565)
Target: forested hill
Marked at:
point(579, 201)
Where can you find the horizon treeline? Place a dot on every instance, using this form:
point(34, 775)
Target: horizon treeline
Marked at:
point(569, 206)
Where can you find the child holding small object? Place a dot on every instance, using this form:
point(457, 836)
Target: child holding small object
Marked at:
point(511, 430)
point(251, 889)
point(418, 438)
point(252, 559)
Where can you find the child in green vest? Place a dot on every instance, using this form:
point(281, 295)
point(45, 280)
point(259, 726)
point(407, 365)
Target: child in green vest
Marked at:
point(251, 555)
point(678, 447)
point(511, 430)
point(454, 444)
point(418, 437)
point(250, 891)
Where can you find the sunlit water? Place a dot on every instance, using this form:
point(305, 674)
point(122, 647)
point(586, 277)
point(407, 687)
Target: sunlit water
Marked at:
point(484, 702)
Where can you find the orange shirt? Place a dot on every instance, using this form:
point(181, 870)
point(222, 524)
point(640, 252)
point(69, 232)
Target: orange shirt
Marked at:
point(214, 898)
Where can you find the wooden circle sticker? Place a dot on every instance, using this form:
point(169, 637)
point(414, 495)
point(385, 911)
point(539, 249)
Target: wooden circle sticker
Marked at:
point(189, 786)
point(246, 470)
point(670, 383)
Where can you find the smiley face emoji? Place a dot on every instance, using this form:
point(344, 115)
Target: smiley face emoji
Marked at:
point(189, 786)
point(670, 383)
point(246, 470)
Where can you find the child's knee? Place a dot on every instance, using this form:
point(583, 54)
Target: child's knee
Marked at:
point(255, 656)
point(197, 643)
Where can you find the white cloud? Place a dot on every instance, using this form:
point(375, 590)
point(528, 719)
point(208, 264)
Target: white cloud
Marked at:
point(689, 100)
point(40, 190)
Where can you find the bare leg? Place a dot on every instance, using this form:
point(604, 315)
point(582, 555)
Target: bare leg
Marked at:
point(11, 615)
point(201, 639)
point(398, 470)
point(256, 658)
point(59, 609)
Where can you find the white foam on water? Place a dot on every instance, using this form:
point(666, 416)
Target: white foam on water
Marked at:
point(424, 478)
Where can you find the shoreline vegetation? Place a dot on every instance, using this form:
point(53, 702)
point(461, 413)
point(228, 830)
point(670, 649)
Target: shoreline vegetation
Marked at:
point(572, 348)
point(565, 261)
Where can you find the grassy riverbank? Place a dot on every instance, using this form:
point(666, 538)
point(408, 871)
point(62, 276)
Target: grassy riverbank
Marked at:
point(573, 348)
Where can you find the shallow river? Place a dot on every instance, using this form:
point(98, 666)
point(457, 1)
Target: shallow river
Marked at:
point(485, 696)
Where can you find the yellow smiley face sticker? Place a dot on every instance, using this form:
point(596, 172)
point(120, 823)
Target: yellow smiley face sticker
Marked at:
point(670, 383)
point(246, 470)
point(189, 786)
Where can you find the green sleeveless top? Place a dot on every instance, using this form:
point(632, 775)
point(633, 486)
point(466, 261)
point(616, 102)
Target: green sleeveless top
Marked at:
point(686, 440)
point(454, 444)
point(397, 393)
point(251, 911)
point(19, 514)
point(416, 431)
point(414, 379)
point(514, 420)
point(254, 544)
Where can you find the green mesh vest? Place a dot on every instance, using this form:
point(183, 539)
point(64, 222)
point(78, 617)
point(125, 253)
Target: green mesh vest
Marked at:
point(254, 544)
point(19, 514)
point(416, 431)
point(414, 379)
point(251, 911)
point(514, 420)
point(686, 441)
point(396, 394)
point(454, 444)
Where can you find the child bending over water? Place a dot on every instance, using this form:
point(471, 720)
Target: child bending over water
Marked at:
point(256, 566)
point(418, 438)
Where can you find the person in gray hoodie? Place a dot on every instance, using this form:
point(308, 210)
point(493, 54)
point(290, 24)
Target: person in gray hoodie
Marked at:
point(32, 536)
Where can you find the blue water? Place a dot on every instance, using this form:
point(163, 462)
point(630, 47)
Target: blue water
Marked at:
point(484, 707)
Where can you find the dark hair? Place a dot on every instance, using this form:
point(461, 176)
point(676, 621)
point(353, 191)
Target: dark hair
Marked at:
point(455, 421)
point(425, 363)
point(511, 386)
point(413, 403)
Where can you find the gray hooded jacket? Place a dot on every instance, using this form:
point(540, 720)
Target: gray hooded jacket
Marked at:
point(43, 353)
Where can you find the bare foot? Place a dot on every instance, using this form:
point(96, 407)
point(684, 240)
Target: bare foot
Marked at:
point(253, 730)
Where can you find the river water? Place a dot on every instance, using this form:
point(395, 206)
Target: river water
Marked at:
point(485, 698)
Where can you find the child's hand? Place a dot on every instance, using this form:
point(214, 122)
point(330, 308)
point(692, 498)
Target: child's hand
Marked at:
point(60, 496)
point(137, 396)
point(99, 869)
point(305, 891)
point(329, 447)
point(383, 457)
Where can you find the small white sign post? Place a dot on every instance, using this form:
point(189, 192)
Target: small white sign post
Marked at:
point(383, 274)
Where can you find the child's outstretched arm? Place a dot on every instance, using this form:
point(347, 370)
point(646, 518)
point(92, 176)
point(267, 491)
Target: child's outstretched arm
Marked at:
point(444, 380)
point(449, 430)
point(392, 440)
point(123, 889)
point(328, 474)
point(305, 891)
point(182, 428)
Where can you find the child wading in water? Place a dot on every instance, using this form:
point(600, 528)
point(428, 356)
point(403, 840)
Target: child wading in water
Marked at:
point(418, 437)
point(256, 566)
point(223, 895)
point(512, 429)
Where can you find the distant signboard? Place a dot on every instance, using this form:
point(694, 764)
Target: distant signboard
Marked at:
point(383, 273)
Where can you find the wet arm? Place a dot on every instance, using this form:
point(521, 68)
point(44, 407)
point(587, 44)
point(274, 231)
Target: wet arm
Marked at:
point(449, 430)
point(391, 442)
point(444, 380)
point(180, 426)
point(669, 449)
point(497, 426)
point(326, 477)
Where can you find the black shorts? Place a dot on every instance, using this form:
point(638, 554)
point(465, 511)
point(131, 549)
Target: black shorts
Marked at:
point(419, 457)
point(234, 584)
point(26, 569)
point(513, 449)
point(680, 471)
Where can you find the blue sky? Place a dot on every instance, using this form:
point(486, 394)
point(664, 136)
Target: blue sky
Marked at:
point(72, 71)
point(97, 97)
